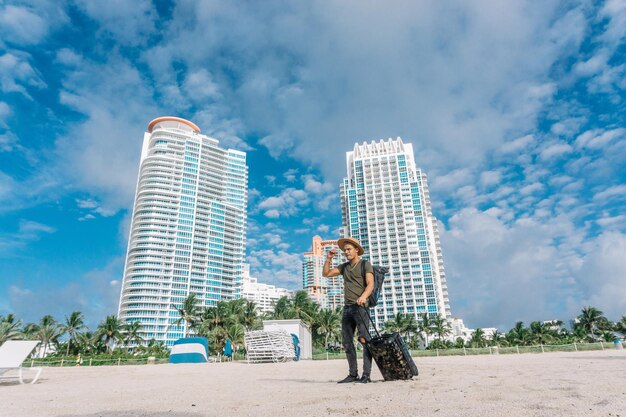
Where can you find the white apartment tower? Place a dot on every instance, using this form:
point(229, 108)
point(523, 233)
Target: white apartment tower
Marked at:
point(188, 229)
point(264, 296)
point(325, 291)
point(386, 206)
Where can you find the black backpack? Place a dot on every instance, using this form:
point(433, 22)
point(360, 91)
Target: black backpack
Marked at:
point(379, 277)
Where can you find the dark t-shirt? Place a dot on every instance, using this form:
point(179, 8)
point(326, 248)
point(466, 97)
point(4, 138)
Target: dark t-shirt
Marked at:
point(353, 283)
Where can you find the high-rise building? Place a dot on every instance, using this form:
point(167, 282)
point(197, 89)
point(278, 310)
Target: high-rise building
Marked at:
point(263, 295)
point(326, 291)
point(386, 206)
point(188, 229)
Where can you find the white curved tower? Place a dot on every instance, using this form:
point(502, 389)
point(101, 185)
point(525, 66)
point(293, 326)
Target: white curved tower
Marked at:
point(188, 229)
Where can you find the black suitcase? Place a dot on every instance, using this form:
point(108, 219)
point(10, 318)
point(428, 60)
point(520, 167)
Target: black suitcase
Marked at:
point(391, 355)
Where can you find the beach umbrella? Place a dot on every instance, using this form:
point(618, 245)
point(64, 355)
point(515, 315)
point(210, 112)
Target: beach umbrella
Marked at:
point(228, 349)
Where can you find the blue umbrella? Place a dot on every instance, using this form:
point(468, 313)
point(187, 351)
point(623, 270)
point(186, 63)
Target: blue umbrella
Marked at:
point(228, 349)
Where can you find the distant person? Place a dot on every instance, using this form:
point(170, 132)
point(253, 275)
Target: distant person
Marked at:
point(356, 290)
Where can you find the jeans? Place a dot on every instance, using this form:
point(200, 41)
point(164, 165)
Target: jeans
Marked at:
point(355, 317)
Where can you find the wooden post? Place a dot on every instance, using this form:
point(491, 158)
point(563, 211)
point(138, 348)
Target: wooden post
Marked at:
point(32, 362)
point(90, 359)
point(517, 346)
point(602, 344)
point(437, 352)
point(62, 360)
point(542, 351)
point(575, 348)
point(119, 361)
point(464, 351)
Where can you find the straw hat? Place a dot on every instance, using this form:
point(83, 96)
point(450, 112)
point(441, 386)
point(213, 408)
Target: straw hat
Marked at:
point(359, 249)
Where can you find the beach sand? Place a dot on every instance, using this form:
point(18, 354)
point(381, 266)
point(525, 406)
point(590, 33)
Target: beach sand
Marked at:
point(549, 384)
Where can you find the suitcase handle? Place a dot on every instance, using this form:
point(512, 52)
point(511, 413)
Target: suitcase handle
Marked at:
point(370, 319)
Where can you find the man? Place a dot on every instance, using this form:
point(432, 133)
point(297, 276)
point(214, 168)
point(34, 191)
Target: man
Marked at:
point(356, 289)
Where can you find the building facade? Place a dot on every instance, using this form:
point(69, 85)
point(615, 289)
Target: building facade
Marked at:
point(188, 230)
point(386, 206)
point(263, 295)
point(326, 291)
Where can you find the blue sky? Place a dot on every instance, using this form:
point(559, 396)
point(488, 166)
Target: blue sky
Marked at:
point(515, 110)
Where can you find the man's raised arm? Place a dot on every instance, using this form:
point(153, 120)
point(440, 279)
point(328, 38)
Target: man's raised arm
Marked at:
point(327, 271)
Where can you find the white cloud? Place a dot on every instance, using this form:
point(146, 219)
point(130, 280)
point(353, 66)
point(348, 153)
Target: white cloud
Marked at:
point(100, 154)
point(517, 145)
point(8, 141)
point(618, 191)
point(500, 272)
point(5, 111)
point(490, 178)
point(555, 150)
point(290, 175)
point(615, 11)
point(95, 294)
point(608, 222)
point(602, 274)
point(17, 74)
point(22, 25)
point(277, 144)
point(67, 57)
point(318, 96)
point(593, 65)
point(452, 180)
point(27, 231)
point(129, 23)
point(288, 203)
point(531, 188)
point(199, 86)
point(598, 138)
point(277, 267)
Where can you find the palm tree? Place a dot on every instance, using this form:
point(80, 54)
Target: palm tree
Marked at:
point(48, 332)
point(249, 316)
point(590, 318)
point(85, 343)
point(154, 348)
point(478, 338)
point(541, 333)
point(329, 325)
point(401, 323)
point(72, 326)
point(281, 309)
point(441, 327)
point(30, 330)
point(303, 308)
point(9, 328)
point(132, 333)
point(235, 333)
point(189, 313)
point(519, 335)
point(497, 337)
point(620, 326)
point(425, 325)
point(213, 317)
point(217, 339)
point(48, 335)
point(109, 330)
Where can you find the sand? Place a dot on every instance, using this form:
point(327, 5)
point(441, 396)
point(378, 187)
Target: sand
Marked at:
point(549, 384)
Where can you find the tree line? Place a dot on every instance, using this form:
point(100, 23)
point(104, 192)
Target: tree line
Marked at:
point(231, 319)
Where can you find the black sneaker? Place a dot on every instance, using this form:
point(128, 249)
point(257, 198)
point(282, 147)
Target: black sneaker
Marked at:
point(364, 379)
point(349, 378)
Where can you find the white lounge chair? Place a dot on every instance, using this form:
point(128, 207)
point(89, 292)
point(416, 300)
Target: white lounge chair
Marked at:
point(13, 353)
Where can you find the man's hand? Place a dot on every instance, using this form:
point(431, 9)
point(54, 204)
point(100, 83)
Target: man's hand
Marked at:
point(331, 254)
point(361, 300)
